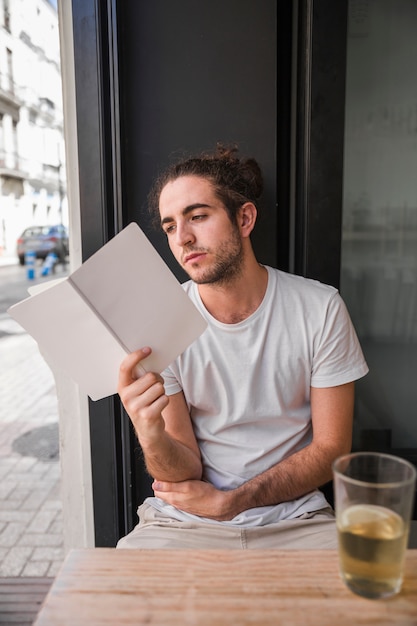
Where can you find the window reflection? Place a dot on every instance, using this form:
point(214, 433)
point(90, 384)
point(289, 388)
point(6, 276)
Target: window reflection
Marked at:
point(379, 248)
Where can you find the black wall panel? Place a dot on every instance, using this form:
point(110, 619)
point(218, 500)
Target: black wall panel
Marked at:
point(194, 73)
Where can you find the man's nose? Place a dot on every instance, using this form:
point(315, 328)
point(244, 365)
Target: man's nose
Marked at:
point(184, 235)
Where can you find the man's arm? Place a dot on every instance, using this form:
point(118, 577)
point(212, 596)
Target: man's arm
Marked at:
point(305, 470)
point(170, 454)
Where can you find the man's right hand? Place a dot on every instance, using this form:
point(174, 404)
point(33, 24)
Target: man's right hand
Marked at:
point(142, 396)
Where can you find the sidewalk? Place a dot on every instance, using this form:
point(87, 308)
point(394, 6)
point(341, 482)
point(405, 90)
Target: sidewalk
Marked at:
point(8, 259)
point(31, 540)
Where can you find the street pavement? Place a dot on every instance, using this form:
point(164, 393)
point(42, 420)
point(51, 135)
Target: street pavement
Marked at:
point(31, 536)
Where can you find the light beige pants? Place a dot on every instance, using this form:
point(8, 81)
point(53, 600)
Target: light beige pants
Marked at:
point(155, 530)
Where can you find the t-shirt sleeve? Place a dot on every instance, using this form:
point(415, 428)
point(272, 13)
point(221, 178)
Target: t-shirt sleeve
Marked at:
point(337, 357)
point(171, 381)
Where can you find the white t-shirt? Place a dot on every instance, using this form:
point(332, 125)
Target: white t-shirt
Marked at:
point(247, 385)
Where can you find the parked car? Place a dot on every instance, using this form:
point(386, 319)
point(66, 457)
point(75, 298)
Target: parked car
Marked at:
point(42, 240)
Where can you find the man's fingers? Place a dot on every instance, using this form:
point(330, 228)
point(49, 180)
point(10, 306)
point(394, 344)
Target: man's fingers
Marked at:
point(160, 486)
point(130, 367)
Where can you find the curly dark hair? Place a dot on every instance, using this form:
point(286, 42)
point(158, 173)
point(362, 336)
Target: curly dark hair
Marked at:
point(235, 180)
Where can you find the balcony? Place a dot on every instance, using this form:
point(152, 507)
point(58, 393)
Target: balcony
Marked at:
point(11, 166)
point(10, 102)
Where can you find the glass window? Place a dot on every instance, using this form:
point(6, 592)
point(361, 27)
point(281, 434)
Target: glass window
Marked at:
point(379, 247)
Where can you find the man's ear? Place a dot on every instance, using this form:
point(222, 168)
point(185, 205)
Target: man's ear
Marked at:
point(246, 218)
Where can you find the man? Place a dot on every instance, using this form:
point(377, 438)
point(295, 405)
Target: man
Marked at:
point(240, 431)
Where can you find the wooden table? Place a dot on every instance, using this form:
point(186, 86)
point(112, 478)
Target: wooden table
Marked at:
point(188, 587)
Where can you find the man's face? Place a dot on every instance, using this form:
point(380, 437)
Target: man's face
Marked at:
point(200, 234)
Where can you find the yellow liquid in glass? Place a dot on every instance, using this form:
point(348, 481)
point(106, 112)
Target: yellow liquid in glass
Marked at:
point(372, 543)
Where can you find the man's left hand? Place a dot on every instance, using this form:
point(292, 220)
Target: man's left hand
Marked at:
point(196, 497)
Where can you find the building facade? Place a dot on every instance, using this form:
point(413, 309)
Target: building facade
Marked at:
point(32, 156)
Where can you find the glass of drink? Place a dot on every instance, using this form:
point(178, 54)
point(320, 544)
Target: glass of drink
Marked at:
point(374, 496)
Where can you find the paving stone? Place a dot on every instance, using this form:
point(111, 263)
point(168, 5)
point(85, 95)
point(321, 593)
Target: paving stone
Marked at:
point(41, 522)
point(38, 568)
point(15, 561)
point(54, 568)
point(6, 467)
point(46, 554)
point(53, 504)
point(41, 539)
point(30, 479)
point(25, 463)
point(14, 515)
point(34, 501)
point(42, 471)
point(7, 488)
point(56, 527)
point(18, 494)
point(8, 461)
point(55, 492)
point(11, 534)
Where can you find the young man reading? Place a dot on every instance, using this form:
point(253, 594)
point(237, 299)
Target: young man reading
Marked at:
point(241, 430)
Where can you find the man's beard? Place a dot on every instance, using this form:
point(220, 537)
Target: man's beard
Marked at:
point(227, 264)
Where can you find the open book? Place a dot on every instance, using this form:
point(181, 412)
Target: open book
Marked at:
point(122, 298)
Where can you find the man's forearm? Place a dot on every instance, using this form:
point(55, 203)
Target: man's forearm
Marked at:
point(169, 459)
point(293, 477)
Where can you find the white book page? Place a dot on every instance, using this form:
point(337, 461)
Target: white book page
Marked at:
point(138, 296)
point(70, 335)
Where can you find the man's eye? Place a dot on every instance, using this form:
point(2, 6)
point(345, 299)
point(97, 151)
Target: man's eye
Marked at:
point(198, 217)
point(169, 229)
